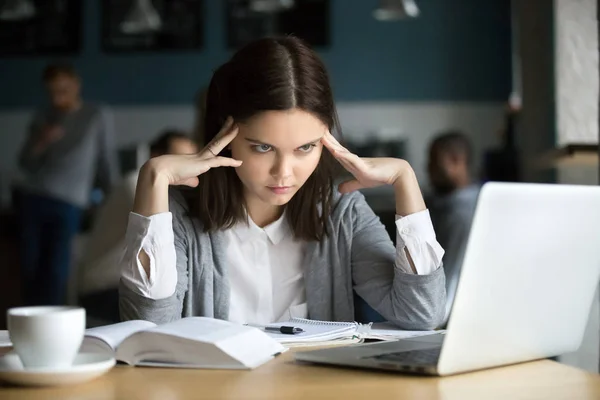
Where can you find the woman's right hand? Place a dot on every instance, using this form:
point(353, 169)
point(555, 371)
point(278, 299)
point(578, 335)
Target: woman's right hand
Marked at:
point(184, 169)
point(151, 194)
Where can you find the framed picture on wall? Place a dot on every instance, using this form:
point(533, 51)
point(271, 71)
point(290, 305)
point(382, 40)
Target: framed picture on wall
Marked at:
point(40, 27)
point(152, 25)
point(248, 20)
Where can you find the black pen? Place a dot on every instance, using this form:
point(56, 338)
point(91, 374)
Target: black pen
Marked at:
point(288, 330)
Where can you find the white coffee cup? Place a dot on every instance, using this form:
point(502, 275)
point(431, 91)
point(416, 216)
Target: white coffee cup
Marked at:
point(46, 336)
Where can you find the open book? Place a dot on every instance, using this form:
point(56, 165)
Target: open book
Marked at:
point(317, 333)
point(194, 342)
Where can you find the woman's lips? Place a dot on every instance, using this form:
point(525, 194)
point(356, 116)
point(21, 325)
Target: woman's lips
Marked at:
point(280, 189)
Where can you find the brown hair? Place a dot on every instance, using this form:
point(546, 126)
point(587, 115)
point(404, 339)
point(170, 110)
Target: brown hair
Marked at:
point(199, 114)
point(269, 74)
point(52, 71)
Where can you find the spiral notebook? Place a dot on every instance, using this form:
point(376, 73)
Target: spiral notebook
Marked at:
point(318, 333)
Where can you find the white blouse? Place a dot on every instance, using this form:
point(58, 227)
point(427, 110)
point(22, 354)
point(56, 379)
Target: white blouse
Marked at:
point(264, 264)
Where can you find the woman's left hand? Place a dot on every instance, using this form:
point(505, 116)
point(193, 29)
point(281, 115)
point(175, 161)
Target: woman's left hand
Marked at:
point(367, 172)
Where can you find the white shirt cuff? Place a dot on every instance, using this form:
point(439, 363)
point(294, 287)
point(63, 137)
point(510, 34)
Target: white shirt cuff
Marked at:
point(415, 233)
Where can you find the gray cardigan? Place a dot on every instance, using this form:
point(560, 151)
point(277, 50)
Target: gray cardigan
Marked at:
point(358, 255)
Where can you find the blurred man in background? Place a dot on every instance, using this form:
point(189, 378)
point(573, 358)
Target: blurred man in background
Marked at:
point(98, 272)
point(69, 148)
point(452, 203)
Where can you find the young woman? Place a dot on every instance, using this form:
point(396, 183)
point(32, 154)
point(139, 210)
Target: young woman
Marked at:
point(265, 234)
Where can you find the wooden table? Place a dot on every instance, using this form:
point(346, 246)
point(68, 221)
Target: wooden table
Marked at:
point(285, 378)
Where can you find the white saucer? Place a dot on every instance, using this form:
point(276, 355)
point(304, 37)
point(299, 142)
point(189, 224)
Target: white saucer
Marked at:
point(86, 366)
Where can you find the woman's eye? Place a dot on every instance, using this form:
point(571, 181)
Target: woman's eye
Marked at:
point(261, 148)
point(306, 148)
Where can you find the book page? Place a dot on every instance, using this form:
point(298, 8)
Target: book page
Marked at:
point(208, 330)
point(114, 334)
point(200, 342)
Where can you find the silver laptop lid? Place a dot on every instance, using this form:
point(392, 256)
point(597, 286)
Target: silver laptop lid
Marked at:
point(529, 274)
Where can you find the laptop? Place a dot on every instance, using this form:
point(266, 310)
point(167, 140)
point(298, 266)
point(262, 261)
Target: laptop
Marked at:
point(529, 274)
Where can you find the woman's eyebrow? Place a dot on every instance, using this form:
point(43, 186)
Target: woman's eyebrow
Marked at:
point(313, 141)
point(258, 141)
point(267, 144)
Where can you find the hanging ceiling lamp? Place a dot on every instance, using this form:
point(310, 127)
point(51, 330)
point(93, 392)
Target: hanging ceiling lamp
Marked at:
point(271, 6)
point(142, 18)
point(394, 10)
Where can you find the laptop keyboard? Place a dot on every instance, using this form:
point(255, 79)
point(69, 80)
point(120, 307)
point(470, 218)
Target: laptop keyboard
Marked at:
point(413, 357)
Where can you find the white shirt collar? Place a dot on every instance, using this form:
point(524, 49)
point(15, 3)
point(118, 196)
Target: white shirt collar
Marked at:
point(275, 231)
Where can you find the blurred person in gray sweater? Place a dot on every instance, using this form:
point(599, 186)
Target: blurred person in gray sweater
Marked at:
point(69, 148)
point(452, 201)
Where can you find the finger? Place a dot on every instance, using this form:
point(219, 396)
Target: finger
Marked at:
point(216, 162)
point(219, 143)
point(342, 158)
point(227, 133)
point(336, 150)
point(331, 139)
point(226, 128)
point(348, 166)
point(350, 186)
point(332, 144)
point(192, 182)
point(350, 161)
point(354, 160)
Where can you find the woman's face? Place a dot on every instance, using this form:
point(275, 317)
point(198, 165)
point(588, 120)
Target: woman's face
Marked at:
point(279, 150)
